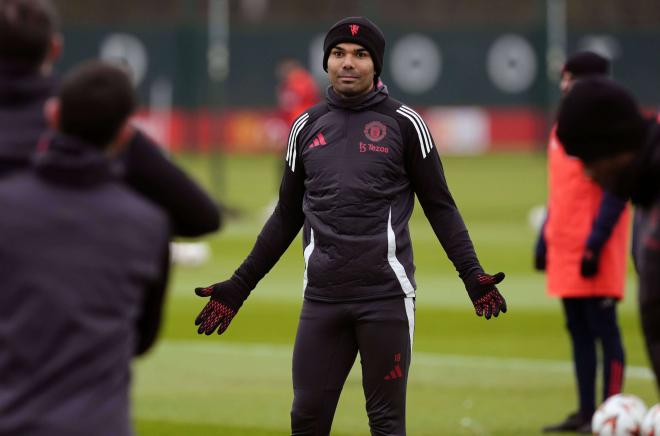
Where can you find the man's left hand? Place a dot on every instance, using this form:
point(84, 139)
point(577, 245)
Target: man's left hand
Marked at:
point(486, 298)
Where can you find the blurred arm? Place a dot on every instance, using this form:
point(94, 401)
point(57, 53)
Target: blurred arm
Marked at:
point(611, 208)
point(608, 215)
point(192, 212)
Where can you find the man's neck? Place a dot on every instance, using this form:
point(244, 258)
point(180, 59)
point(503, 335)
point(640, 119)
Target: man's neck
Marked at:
point(353, 96)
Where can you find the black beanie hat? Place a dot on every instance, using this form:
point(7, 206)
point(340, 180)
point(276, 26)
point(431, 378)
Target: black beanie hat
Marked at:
point(360, 31)
point(599, 119)
point(586, 63)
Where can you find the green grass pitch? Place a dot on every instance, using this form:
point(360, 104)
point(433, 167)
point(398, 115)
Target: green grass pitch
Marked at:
point(507, 376)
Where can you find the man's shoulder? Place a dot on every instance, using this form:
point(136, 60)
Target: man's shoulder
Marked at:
point(314, 112)
point(403, 113)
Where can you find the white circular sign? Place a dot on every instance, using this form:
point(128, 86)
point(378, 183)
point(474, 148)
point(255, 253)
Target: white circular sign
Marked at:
point(604, 45)
point(127, 50)
point(416, 63)
point(512, 64)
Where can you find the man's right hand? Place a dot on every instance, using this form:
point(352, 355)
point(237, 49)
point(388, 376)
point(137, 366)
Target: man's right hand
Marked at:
point(226, 299)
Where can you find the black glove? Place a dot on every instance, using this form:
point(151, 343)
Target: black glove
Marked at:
point(539, 252)
point(226, 298)
point(486, 298)
point(589, 264)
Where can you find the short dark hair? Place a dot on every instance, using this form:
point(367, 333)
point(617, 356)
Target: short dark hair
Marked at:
point(26, 29)
point(587, 63)
point(96, 99)
point(599, 119)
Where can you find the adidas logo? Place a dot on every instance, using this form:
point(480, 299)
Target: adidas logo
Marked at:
point(318, 140)
point(395, 373)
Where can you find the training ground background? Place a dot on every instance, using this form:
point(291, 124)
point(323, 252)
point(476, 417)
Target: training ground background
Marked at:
point(507, 376)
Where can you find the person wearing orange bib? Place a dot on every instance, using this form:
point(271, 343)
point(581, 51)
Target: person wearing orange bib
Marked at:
point(582, 248)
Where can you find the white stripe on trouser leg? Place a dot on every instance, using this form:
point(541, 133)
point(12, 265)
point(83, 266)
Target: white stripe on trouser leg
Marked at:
point(410, 313)
point(398, 269)
point(307, 253)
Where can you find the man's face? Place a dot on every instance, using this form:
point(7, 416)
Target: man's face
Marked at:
point(613, 173)
point(566, 82)
point(350, 70)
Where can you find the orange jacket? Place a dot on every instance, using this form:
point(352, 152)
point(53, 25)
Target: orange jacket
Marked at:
point(573, 204)
point(297, 93)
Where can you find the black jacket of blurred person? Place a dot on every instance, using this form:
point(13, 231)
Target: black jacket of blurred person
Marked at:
point(83, 261)
point(29, 45)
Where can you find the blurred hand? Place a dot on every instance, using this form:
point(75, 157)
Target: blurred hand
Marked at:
point(589, 264)
point(540, 252)
point(485, 297)
point(219, 311)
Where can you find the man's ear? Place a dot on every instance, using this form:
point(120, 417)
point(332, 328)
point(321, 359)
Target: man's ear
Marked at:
point(55, 48)
point(52, 112)
point(125, 135)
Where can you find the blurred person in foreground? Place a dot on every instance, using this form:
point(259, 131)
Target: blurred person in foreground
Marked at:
point(354, 165)
point(30, 44)
point(83, 261)
point(585, 237)
point(600, 123)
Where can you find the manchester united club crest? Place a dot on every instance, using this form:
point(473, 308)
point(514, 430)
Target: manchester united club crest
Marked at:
point(375, 131)
point(354, 29)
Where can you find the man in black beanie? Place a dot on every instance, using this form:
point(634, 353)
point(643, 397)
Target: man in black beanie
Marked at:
point(600, 123)
point(361, 31)
point(354, 165)
point(582, 248)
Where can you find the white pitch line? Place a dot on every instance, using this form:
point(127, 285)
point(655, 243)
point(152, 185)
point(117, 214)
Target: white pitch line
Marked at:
point(257, 350)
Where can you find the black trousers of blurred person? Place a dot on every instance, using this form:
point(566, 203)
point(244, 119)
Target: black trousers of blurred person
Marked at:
point(592, 321)
point(327, 342)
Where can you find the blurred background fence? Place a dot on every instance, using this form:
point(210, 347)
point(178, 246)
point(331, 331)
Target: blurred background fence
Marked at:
point(483, 73)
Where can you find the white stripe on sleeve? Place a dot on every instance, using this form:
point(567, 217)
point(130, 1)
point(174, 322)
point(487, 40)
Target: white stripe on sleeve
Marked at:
point(423, 133)
point(293, 138)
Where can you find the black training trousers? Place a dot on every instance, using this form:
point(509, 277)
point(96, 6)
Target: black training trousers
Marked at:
point(328, 340)
point(592, 321)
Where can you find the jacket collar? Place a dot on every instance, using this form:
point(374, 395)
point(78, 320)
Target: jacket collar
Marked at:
point(70, 161)
point(359, 103)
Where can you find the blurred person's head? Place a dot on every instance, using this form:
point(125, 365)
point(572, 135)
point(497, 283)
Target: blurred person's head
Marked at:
point(94, 104)
point(285, 65)
point(29, 35)
point(600, 123)
point(353, 51)
point(581, 65)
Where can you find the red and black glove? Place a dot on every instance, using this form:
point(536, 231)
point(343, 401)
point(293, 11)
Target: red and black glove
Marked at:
point(486, 298)
point(226, 298)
